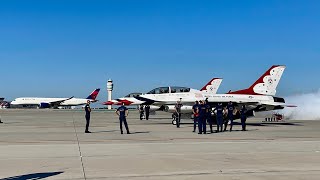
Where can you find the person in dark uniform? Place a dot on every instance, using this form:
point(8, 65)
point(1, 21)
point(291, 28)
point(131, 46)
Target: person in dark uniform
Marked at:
point(208, 116)
point(202, 118)
point(87, 108)
point(123, 113)
point(178, 107)
point(141, 112)
point(230, 109)
point(147, 111)
point(195, 109)
point(219, 114)
point(243, 116)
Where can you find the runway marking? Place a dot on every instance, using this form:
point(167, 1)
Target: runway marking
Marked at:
point(217, 172)
point(80, 153)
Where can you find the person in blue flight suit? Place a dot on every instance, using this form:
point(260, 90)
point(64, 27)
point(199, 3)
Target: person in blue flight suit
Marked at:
point(147, 110)
point(209, 116)
point(202, 118)
point(243, 116)
point(230, 109)
point(219, 114)
point(87, 108)
point(123, 113)
point(195, 109)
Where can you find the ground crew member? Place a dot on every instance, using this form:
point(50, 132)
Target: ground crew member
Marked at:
point(219, 115)
point(195, 109)
point(230, 109)
point(202, 118)
point(208, 116)
point(243, 116)
point(178, 112)
point(147, 110)
point(141, 112)
point(87, 108)
point(123, 113)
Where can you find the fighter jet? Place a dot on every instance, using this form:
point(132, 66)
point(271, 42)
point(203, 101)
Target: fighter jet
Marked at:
point(258, 97)
point(169, 92)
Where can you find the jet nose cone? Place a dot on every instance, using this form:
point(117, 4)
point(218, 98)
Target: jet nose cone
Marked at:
point(108, 103)
point(125, 102)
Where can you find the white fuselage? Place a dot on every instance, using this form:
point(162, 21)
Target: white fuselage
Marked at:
point(252, 101)
point(37, 101)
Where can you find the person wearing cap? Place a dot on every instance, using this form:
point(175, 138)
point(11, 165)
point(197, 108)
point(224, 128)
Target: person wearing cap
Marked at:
point(87, 109)
point(195, 109)
point(123, 113)
point(202, 118)
point(219, 114)
point(230, 109)
point(177, 108)
point(208, 116)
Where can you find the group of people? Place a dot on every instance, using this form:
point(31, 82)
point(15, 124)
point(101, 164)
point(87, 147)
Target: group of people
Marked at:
point(144, 112)
point(122, 112)
point(204, 113)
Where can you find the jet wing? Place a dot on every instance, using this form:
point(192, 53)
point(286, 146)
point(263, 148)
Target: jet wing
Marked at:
point(57, 103)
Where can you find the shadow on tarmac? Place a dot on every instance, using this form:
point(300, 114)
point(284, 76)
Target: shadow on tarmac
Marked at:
point(146, 132)
point(34, 176)
point(96, 132)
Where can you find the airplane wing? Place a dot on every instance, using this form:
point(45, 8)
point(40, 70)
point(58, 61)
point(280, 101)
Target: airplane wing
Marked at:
point(57, 103)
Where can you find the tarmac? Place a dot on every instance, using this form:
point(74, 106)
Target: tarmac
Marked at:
point(51, 144)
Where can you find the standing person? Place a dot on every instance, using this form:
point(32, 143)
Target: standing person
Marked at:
point(195, 109)
point(87, 108)
point(141, 112)
point(225, 118)
point(202, 118)
point(123, 113)
point(178, 112)
point(219, 109)
point(208, 115)
point(230, 109)
point(243, 116)
point(147, 110)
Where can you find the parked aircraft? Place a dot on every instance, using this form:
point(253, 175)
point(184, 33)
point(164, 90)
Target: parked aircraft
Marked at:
point(55, 102)
point(258, 97)
point(173, 92)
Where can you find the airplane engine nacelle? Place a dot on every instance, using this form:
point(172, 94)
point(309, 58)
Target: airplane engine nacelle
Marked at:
point(154, 108)
point(184, 109)
point(44, 105)
point(251, 113)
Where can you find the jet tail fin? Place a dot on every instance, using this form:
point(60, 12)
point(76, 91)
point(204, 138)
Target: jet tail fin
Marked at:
point(94, 95)
point(267, 84)
point(212, 86)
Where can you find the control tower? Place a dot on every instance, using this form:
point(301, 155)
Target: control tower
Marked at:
point(109, 89)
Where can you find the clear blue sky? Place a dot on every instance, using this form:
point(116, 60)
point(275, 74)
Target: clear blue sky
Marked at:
point(68, 48)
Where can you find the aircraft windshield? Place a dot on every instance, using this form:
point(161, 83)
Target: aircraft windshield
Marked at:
point(165, 90)
point(161, 90)
point(179, 89)
point(133, 95)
